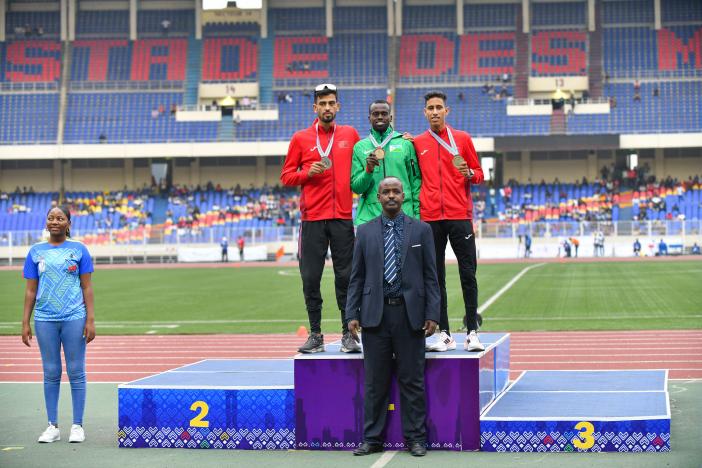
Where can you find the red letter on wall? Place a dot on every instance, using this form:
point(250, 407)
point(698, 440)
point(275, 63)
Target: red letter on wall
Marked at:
point(99, 56)
point(487, 47)
point(143, 56)
point(670, 48)
point(212, 59)
point(290, 63)
point(411, 61)
point(33, 61)
point(567, 47)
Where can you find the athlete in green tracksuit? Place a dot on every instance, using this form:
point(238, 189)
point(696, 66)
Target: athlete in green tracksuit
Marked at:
point(389, 155)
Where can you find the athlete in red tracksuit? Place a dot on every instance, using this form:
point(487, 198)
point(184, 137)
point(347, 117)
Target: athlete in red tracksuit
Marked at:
point(319, 160)
point(449, 165)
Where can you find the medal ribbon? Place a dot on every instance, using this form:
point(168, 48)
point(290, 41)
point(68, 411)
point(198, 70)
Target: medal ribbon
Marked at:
point(380, 145)
point(452, 148)
point(324, 153)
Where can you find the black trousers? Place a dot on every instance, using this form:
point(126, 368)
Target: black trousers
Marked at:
point(315, 238)
point(395, 336)
point(460, 234)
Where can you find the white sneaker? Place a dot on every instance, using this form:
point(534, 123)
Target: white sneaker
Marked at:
point(444, 343)
point(473, 342)
point(77, 434)
point(51, 434)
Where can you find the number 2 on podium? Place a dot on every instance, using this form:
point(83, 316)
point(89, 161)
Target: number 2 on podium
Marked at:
point(585, 439)
point(198, 421)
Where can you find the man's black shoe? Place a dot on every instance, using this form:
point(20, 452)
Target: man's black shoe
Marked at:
point(366, 449)
point(418, 449)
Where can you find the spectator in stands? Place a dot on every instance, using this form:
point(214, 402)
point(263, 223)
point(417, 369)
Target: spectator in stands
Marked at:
point(637, 97)
point(613, 102)
point(174, 109)
point(656, 91)
point(695, 249)
point(165, 26)
point(382, 154)
point(102, 138)
point(637, 248)
point(39, 31)
point(19, 31)
point(237, 119)
point(461, 96)
point(637, 87)
point(154, 113)
point(326, 215)
point(288, 98)
point(505, 78)
point(60, 294)
point(449, 165)
point(662, 248)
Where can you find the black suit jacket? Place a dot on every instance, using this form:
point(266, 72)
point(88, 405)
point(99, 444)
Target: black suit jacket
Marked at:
point(420, 286)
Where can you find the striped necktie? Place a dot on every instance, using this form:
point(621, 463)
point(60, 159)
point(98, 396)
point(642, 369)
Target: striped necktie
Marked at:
point(390, 254)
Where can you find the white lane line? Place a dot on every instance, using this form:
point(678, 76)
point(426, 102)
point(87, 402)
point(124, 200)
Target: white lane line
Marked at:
point(506, 287)
point(384, 459)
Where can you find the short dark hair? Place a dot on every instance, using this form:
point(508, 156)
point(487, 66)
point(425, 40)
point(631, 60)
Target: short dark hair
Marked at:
point(378, 101)
point(435, 94)
point(388, 179)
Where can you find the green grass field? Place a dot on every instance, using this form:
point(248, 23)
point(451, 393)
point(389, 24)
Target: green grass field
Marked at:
point(555, 296)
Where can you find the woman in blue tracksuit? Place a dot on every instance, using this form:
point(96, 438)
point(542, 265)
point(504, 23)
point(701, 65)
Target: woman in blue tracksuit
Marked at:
point(60, 293)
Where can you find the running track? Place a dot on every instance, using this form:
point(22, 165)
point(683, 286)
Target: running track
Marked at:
point(126, 358)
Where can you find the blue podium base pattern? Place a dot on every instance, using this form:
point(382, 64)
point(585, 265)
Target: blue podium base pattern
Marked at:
point(558, 436)
point(206, 438)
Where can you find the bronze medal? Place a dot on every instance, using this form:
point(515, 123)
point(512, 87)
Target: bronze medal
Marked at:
point(379, 153)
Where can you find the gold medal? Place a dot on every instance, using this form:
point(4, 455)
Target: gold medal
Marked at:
point(379, 153)
point(458, 160)
point(326, 162)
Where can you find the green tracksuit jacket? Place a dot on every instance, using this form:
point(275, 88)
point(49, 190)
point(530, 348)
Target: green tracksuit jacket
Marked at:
point(400, 161)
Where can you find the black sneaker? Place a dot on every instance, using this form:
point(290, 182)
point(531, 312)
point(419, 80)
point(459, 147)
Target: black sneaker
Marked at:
point(314, 344)
point(349, 345)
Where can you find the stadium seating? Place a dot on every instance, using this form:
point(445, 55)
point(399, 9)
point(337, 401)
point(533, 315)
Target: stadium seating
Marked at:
point(299, 54)
point(298, 114)
point(299, 20)
point(681, 10)
point(477, 113)
point(444, 56)
point(428, 18)
point(490, 17)
point(627, 12)
point(632, 50)
point(230, 58)
point(558, 14)
point(182, 22)
point(29, 22)
point(29, 118)
point(102, 24)
point(558, 53)
point(127, 117)
point(676, 109)
point(350, 19)
point(30, 61)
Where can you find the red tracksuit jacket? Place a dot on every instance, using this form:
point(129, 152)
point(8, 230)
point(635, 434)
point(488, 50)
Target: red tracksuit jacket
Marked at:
point(445, 193)
point(326, 195)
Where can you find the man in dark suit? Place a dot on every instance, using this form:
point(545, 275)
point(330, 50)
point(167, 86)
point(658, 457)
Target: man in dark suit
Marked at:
point(394, 295)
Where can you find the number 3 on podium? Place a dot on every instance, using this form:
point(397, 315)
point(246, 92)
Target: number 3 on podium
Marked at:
point(585, 439)
point(199, 420)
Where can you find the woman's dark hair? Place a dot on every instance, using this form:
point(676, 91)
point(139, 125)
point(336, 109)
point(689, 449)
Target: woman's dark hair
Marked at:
point(67, 212)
